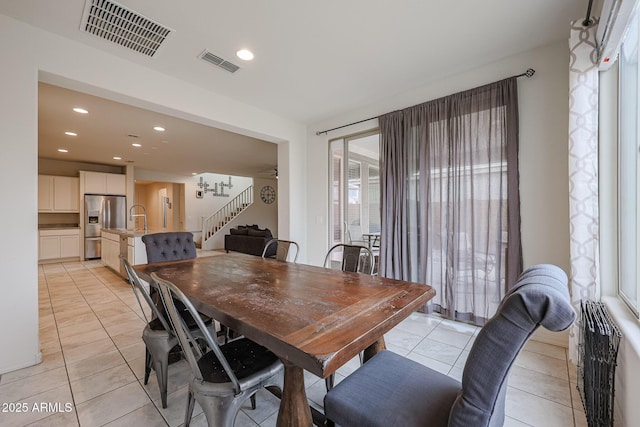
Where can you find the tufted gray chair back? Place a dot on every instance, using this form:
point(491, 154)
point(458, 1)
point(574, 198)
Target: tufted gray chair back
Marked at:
point(392, 390)
point(171, 246)
point(539, 298)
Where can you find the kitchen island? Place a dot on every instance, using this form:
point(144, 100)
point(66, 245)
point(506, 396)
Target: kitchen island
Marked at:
point(126, 242)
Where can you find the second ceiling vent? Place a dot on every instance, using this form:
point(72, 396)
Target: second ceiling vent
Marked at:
point(218, 61)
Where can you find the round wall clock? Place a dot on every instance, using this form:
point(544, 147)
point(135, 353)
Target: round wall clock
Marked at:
point(268, 194)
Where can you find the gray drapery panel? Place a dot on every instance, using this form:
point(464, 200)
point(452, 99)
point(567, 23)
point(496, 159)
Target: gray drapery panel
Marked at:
point(450, 198)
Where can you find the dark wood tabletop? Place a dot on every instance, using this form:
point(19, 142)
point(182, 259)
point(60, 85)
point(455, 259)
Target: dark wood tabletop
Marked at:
point(313, 318)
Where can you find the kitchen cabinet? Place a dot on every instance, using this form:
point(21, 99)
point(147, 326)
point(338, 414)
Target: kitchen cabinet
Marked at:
point(45, 193)
point(58, 194)
point(104, 183)
point(137, 251)
point(58, 244)
point(123, 243)
point(111, 250)
point(66, 194)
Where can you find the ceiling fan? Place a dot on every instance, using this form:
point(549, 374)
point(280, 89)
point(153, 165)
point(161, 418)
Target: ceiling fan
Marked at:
point(272, 172)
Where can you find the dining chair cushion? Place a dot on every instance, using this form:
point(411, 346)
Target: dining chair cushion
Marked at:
point(244, 356)
point(156, 324)
point(171, 246)
point(365, 400)
point(540, 297)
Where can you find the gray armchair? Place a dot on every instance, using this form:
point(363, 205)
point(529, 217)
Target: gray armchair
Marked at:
point(171, 246)
point(391, 390)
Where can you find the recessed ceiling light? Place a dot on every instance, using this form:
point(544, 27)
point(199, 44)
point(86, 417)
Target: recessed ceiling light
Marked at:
point(159, 128)
point(71, 133)
point(80, 110)
point(135, 144)
point(245, 54)
point(63, 150)
point(117, 158)
point(194, 173)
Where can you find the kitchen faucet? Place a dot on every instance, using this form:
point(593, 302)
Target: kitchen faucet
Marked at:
point(143, 215)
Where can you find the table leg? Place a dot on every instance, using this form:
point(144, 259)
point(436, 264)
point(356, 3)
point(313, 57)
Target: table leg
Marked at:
point(294, 408)
point(374, 349)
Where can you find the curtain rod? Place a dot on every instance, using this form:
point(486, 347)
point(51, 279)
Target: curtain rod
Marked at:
point(530, 72)
point(587, 20)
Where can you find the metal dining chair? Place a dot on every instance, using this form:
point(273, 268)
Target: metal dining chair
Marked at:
point(225, 376)
point(282, 249)
point(354, 258)
point(157, 334)
point(393, 390)
point(173, 246)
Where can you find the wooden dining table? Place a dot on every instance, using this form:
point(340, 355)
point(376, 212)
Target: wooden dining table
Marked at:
point(312, 318)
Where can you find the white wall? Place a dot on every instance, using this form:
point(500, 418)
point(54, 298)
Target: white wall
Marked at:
point(543, 101)
point(19, 189)
point(265, 215)
point(29, 54)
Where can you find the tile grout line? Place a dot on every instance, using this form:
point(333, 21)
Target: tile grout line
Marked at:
point(73, 281)
point(55, 320)
point(572, 390)
point(137, 380)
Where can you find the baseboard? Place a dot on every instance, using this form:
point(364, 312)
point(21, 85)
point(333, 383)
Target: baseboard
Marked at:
point(560, 339)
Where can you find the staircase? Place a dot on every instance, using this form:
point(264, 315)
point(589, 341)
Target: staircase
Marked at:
point(215, 222)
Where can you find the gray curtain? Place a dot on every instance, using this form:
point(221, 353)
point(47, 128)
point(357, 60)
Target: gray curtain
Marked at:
point(450, 199)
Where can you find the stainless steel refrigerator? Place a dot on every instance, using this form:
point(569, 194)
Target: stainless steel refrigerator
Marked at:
point(100, 212)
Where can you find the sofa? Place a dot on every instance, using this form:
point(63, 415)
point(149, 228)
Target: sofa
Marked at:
point(249, 239)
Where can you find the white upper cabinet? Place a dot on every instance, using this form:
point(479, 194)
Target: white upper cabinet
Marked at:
point(116, 184)
point(45, 193)
point(104, 183)
point(58, 194)
point(66, 194)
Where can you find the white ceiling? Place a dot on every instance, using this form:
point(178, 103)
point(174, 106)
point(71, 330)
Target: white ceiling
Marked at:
point(317, 60)
point(183, 148)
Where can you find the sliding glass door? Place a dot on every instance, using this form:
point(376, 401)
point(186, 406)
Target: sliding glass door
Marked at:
point(355, 190)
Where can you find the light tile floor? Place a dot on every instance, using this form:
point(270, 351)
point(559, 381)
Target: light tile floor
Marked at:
point(93, 364)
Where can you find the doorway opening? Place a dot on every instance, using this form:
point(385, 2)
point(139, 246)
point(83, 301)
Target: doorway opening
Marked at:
point(164, 202)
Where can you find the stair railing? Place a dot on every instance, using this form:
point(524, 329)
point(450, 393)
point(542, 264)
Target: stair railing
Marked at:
point(216, 221)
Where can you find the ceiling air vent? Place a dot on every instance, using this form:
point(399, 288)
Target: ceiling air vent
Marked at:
point(117, 24)
point(218, 61)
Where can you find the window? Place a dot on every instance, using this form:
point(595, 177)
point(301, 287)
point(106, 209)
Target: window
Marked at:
point(628, 178)
point(355, 189)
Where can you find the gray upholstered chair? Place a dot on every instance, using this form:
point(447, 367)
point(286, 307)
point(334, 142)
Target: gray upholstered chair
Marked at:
point(173, 246)
point(225, 376)
point(391, 390)
point(157, 335)
point(355, 258)
point(170, 246)
point(283, 247)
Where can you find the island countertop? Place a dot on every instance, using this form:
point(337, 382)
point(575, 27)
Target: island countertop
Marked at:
point(138, 232)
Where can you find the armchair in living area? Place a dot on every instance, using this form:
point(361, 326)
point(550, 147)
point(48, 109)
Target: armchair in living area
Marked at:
point(249, 239)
